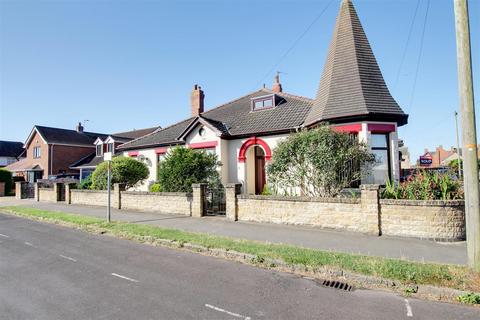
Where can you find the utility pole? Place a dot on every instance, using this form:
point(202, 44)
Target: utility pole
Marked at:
point(458, 147)
point(469, 139)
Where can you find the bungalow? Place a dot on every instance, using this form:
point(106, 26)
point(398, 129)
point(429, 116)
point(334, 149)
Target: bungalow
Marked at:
point(10, 152)
point(352, 97)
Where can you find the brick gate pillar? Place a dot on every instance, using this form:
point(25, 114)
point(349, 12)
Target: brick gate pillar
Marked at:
point(18, 189)
point(198, 198)
point(231, 192)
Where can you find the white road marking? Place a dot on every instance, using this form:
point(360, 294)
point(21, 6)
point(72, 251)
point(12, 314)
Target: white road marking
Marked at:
point(227, 312)
point(29, 244)
point(68, 258)
point(4, 235)
point(123, 277)
point(409, 308)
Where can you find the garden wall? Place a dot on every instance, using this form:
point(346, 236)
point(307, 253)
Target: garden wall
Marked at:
point(160, 202)
point(439, 220)
point(341, 213)
point(89, 197)
point(47, 194)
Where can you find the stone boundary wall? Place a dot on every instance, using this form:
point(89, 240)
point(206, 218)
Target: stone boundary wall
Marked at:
point(436, 220)
point(331, 213)
point(160, 202)
point(47, 194)
point(89, 197)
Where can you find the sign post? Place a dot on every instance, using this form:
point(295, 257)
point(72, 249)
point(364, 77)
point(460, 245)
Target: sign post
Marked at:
point(107, 156)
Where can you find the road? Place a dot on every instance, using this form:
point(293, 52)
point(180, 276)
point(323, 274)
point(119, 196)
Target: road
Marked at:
point(52, 272)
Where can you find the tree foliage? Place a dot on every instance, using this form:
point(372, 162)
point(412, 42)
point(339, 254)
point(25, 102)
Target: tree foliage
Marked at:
point(182, 167)
point(317, 163)
point(6, 176)
point(124, 170)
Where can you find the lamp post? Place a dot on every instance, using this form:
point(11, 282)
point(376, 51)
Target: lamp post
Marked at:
point(107, 156)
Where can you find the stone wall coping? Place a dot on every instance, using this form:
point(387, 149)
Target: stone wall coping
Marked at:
point(300, 199)
point(162, 194)
point(369, 187)
point(426, 203)
point(233, 185)
point(199, 185)
point(89, 191)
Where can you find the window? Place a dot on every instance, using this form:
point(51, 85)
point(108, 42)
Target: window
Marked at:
point(110, 147)
point(37, 152)
point(262, 103)
point(160, 157)
point(381, 169)
point(99, 150)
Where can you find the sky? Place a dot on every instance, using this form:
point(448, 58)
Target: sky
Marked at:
point(131, 64)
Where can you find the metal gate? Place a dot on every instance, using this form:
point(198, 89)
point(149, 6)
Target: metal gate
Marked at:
point(61, 192)
point(28, 191)
point(214, 203)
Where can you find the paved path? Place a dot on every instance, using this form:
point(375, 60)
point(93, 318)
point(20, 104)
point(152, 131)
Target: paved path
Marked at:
point(52, 272)
point(410, 249)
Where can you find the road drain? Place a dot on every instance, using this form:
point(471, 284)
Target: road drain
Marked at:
point(337, 285)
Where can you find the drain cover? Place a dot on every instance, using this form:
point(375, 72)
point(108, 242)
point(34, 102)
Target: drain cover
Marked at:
point(337, 285)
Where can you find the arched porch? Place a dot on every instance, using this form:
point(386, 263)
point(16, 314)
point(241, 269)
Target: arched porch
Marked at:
point(253, 156)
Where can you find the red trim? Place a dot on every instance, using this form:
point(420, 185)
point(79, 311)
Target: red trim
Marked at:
point(133, 153)
point(252, 142)
point(350, 128)
point(203, 145)
point(161, 150)
point(381, 128)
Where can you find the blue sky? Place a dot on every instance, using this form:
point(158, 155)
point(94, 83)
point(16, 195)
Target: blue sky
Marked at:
point(132, 64)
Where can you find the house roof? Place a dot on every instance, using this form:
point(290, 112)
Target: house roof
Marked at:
point(67, 136)
point(236, 119)
point(352, 85)
point(11, 149)
point(90, 161)
point(135, 133)
point(23, 165)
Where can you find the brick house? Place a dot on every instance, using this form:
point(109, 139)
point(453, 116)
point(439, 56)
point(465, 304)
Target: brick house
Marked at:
point(352, 97)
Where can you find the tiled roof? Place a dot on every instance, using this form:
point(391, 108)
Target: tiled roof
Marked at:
point(10, 149)
point(66, 136)
point(134, 134)
point(236, 119)
point(352, 84)
point(89, 161)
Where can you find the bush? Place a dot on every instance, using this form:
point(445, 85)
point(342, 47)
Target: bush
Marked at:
point(317, 163)
point(469, 298)
point(182, 167)
point(425, 185)
point(156, 187)
point(6, 176)
point(85, 183)
point(124, 170)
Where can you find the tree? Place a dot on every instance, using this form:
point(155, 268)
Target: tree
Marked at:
point(317, 163)
point(182, 167)
point(124, 170)
point(6, 176)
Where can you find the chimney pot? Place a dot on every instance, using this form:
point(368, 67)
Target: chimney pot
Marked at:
point(277, 86)
point(197, 100)
point(79, 127)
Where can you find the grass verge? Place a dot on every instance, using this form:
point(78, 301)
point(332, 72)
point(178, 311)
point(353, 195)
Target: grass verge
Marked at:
point(451, 276)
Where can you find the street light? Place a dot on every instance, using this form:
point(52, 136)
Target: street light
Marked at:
point(107, 156)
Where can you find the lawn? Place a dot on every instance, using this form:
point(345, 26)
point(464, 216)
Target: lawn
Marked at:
point(452, 276)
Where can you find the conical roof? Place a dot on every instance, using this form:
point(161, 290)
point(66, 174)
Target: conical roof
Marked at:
point(352, 86)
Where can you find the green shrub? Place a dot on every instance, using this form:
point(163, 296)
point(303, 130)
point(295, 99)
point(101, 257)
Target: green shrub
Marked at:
point(469, 298)
point(425, 185)
point(318, 163)
point(6, 176)
point(85, 183)
point(183, 167)
point(156, 187)
point(125, 170)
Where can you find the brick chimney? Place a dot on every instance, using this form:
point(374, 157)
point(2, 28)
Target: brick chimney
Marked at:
point(277, 86)
point(79, 127)
point(196, 100)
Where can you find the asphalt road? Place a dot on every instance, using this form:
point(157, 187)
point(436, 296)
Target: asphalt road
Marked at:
point(51, 272)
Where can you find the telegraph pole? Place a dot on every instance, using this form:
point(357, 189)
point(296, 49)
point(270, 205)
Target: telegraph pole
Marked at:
point(469, 139)
point(458, 147)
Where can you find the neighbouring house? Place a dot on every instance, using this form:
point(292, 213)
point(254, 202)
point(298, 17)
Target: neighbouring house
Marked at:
point(52, 151)
point(10, 152)
point(438, 158)
point(110, 143)
point(352, 97)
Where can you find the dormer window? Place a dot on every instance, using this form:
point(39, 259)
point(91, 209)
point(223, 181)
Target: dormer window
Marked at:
point(264, 102)
point(110, 147)
point(99, 150)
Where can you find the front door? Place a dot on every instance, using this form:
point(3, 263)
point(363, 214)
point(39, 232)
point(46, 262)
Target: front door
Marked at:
point(259, 170)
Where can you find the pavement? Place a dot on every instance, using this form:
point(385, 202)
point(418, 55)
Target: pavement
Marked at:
point(309, 237)
point(53, 272)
